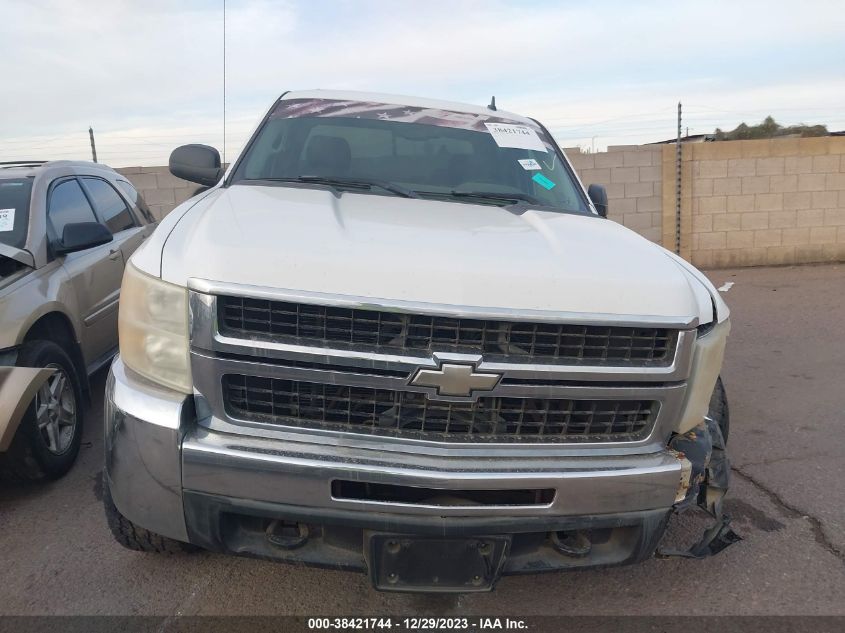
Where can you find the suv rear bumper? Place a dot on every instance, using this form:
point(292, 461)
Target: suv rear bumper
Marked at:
point(224, 491)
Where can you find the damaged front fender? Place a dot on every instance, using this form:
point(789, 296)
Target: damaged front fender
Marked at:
point(706, 472)
point(18, 386)
point(702, 453)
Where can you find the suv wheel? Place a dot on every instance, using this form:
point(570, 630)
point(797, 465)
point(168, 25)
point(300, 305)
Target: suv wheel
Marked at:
point(47, 441)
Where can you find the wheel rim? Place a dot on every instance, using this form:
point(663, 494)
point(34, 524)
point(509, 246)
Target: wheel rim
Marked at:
point(55, 411)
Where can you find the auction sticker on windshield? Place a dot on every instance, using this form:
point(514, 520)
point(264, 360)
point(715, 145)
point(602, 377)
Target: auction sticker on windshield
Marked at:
point(7, 219)
point(516, 136)
point(544, 182)
point(529, 164)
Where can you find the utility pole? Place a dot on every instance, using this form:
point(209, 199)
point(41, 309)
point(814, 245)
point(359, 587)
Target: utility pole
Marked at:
point(93, 147)
point(678, 186)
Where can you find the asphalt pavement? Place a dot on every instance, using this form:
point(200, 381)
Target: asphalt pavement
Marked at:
point(785, 377)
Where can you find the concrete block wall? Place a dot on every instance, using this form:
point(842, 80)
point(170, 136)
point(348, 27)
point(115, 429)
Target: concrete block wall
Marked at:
point(633, 177)
point(764, 202)
point(161, 190)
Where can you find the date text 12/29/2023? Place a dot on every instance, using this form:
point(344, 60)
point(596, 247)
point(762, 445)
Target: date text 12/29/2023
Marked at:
point(477, 623)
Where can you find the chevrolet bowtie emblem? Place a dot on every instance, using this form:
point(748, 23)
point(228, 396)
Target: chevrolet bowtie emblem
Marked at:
point(455, 380)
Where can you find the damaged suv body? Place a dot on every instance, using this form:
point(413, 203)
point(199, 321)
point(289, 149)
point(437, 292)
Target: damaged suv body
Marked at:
point(400, 337)
point(66, 229)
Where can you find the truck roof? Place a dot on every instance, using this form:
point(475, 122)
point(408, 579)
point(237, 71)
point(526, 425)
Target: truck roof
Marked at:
point(419, 102)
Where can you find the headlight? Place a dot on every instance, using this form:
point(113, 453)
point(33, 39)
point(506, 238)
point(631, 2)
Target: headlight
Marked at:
point(153, 326)
point(704, 330)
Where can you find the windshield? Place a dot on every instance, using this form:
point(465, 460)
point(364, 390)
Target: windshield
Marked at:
point(411, 152)
point(14, 210)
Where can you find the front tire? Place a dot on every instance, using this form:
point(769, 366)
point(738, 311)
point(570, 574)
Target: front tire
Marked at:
point(134, 537)
point(47, 441)
point(719, 408)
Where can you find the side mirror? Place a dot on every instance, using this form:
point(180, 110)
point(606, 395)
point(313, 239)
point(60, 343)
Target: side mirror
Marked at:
point(598, 194)
point(78, 236)
point(197, 163)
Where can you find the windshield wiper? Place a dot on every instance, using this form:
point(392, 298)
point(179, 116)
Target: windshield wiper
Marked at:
point(485, 195)
point(361, 182)
point(355, 183)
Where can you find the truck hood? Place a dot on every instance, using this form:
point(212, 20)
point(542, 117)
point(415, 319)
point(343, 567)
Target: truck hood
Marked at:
point(385, 247)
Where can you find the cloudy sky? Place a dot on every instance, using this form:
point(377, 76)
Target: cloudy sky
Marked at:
point(148, 74)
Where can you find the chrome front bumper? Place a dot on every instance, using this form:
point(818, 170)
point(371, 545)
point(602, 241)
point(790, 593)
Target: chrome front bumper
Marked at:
point(144, 426)
point(157, 458)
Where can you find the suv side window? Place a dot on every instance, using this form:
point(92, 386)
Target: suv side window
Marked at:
point(136, 200)
point(111, 207)
point(67, 205)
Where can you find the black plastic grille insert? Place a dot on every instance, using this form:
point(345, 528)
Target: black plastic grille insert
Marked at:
point(412, 415)
point(403, 333)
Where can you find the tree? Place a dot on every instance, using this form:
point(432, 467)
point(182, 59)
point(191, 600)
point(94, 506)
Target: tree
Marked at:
point(769, 128)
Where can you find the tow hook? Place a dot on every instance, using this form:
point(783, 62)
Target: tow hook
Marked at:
point(575, 544)
point(287, 535)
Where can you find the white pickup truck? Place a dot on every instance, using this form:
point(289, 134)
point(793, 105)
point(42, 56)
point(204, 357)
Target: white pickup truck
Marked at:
point(398, 336)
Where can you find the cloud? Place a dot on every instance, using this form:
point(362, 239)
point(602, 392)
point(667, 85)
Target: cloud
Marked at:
point(149, 75)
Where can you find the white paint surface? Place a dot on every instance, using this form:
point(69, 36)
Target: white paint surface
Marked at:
point(392, 248)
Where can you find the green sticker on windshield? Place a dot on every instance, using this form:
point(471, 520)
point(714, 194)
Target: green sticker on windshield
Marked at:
point(544, 182)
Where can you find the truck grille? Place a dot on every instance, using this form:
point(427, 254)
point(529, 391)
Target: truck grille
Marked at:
point(392, 332)
point(412, 415)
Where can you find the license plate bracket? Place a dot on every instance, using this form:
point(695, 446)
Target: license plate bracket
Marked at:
point(399, 562)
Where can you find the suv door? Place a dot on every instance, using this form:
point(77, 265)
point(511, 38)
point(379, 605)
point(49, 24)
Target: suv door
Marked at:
point(113, 211)
point(94, 274)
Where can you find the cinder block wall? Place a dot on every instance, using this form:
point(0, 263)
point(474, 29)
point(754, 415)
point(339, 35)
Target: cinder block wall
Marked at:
point(632, 175)
point(161, 190)
point(743, 203)
point(779, 201)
